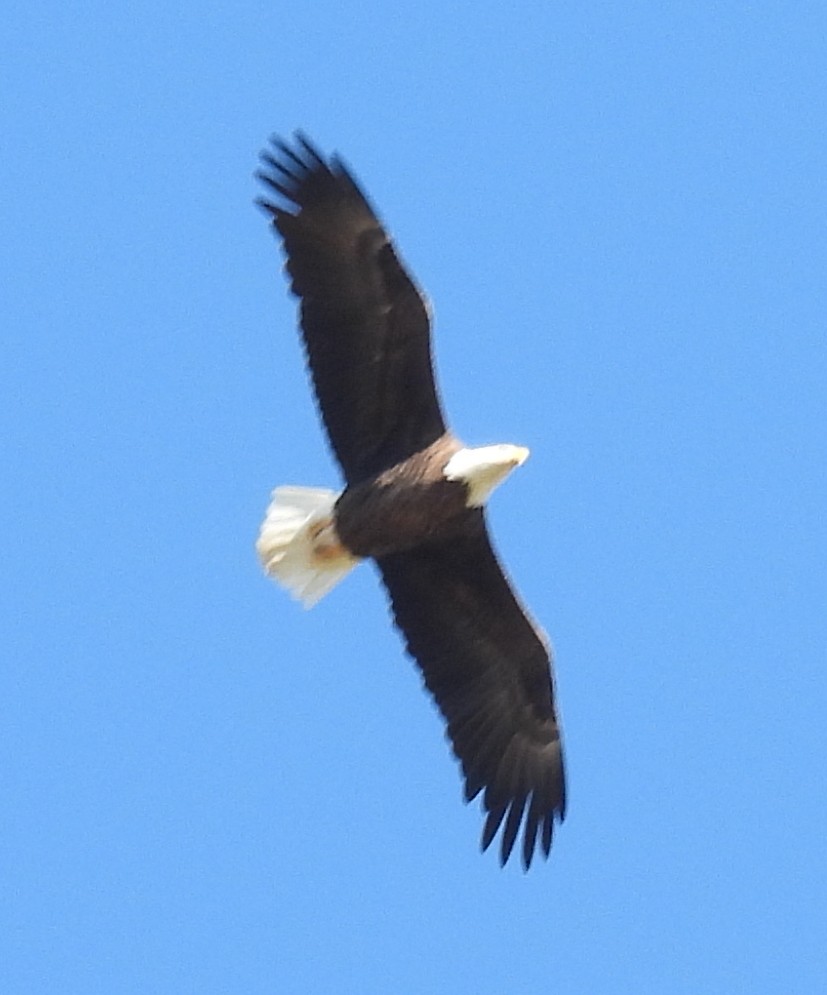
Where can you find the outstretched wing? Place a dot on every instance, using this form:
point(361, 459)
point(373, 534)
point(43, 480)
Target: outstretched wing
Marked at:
point(489, 671)
point(366, 326)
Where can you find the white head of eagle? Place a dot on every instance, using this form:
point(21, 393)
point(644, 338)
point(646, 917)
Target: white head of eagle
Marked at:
point(483, 468)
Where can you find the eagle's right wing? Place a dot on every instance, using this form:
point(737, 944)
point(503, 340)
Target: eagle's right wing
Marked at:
point(365, 325)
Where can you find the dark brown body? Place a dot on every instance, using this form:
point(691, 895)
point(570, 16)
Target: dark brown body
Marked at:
point(407, 505)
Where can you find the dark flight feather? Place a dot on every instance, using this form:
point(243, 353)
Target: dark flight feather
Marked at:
point(365, 325)
point(488, 670)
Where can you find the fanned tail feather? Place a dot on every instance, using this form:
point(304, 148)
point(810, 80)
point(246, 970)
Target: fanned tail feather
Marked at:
point(298, 546)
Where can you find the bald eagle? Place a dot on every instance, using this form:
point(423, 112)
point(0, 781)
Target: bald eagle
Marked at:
point(413, 498)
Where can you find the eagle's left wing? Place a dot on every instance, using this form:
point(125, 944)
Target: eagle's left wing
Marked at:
point(489, 671)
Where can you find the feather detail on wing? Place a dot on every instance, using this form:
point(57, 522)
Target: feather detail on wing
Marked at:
point(365, 325)
point(489, 671)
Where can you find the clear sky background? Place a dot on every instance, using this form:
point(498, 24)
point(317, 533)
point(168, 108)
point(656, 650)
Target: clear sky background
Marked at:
point(619, 213)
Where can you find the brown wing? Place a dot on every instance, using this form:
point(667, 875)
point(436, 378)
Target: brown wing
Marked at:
point(365, 325)
point(489, 671)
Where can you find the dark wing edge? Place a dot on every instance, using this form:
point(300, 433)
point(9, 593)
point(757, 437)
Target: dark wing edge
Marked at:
point(365, 325)
point(489, 671)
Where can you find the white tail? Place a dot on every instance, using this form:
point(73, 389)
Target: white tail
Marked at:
point(298, 545)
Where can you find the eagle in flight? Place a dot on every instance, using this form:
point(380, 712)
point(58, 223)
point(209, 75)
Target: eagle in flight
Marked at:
point(413, 499)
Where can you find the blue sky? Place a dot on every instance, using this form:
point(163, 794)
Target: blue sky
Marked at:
point(618, 211)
